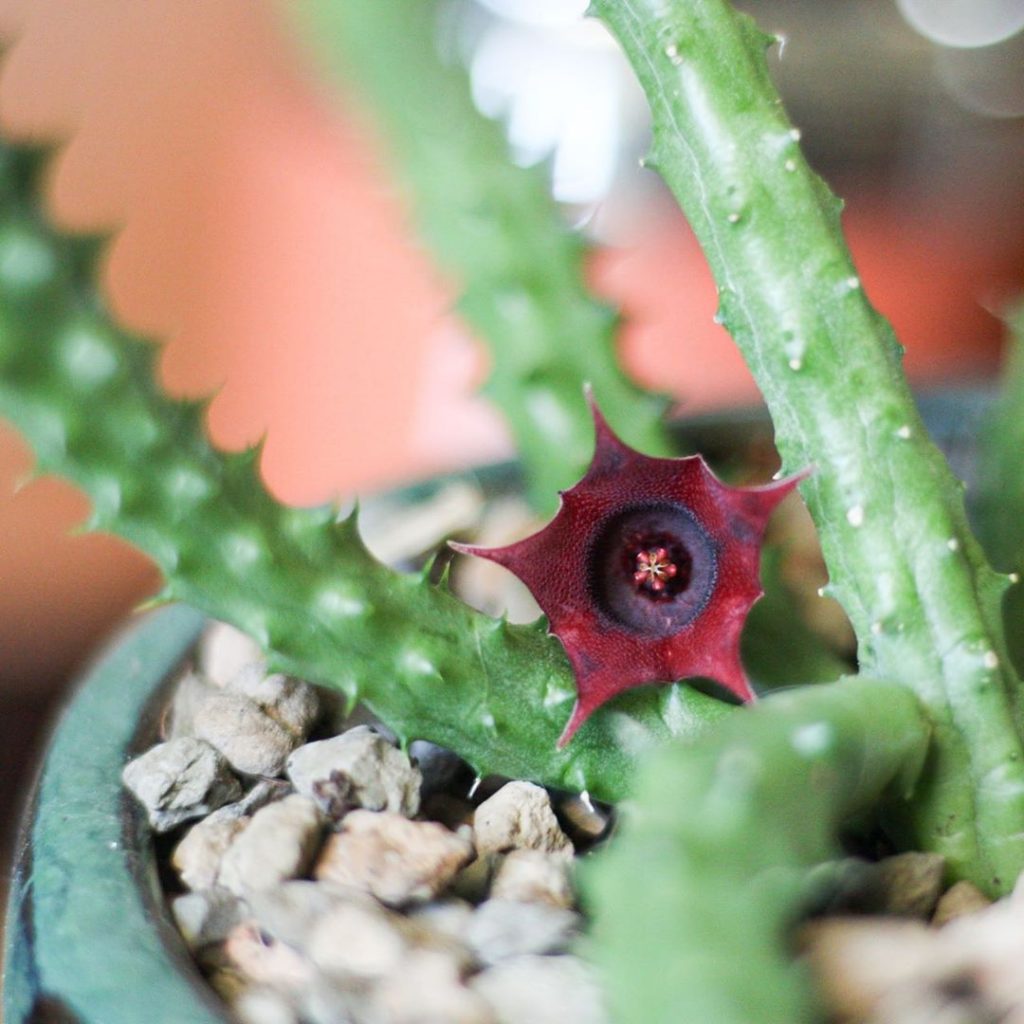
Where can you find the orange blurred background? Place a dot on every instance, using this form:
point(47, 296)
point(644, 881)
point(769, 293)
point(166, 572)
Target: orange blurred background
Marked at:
point(262, 242)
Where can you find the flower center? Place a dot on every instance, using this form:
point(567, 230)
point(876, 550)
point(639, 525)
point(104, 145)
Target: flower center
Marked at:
point(652, 569)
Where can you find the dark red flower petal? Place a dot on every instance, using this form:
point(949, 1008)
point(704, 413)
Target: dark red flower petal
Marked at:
point(647, 572)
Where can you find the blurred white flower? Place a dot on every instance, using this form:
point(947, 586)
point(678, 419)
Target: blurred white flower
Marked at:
point(563, 90)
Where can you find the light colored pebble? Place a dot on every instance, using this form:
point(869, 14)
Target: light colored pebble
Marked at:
point(224, 651)
point(532, 876)
point(959, 900)
point(858, 961)
point(427, 989)
point(359, 768)
point(289, 911)
point(446, 918)
point(543, 990)
point(207, 917)
point(353, 940)
point(263, 1005)
point(397, 860)
point(251, 741)
point(501, 929)
point(264, 961)
point(279, 843)
point(293, 704)
point(179, 780)
point(908, 884)
point(519, 816)
point(264, 792)
point(198, 856)
point(190, 693)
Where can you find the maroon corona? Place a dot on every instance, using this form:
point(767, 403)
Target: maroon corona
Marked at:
point(647, 572)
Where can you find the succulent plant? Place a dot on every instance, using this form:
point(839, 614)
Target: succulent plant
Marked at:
point(926, 742)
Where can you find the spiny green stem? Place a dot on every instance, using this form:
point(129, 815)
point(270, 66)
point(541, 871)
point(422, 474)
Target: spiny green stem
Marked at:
point(703, 938)
point(1000, 504)
point(1001, 474)
point(297, 579)
point(494, 226)
point(924, 603)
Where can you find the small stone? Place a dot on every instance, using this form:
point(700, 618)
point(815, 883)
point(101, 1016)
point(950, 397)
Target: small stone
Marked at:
point(224, 651)
point(859, 961)
point(189, 694)
point(427, 989)
point(198, 856)
point(264, 1005)
point(279, 843)
point(448, 918)
point(359, 768)
point(543, 990)
point(264, 792)
point(519, 816)
point(354, 940)
point(264, 961)
point(532, 876)
point(959, 900)
point(585, 821)
point(328, 1001)
point(909, 884)
point(207, 917)
point(397, 860)
point(293, 704)
point(503, 928)
point(252, 742)
point(290, 911)
point(179, 780)
point(442, 770)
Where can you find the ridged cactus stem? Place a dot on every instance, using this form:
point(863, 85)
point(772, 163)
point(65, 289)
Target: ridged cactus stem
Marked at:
point(703, 938)
point(923, 601)
point(493, 227)
point(299, 580)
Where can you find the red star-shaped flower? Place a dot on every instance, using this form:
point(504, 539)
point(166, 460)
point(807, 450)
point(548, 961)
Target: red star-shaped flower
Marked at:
point(647, 572)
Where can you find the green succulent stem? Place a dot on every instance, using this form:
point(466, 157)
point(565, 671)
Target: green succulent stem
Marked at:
point(903, 563)
point(704, 937)
point(494, 227)
point(298, 580)
point(999, 508)
point(1000, 504)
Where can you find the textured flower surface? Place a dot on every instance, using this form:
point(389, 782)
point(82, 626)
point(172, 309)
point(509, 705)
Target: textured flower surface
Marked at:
point(647, 572)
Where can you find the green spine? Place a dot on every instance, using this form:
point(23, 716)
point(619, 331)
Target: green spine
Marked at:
point(924, 603)
point(298, 580)
point(721, 834)
point(494, 226)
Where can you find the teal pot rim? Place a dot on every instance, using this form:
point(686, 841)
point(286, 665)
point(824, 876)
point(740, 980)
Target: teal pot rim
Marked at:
point(64, 908)
point(85, 872)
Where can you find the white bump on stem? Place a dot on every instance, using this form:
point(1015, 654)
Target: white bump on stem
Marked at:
point(990, 659)
point(953, 544)
point(855, 515)
point(903, 432)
